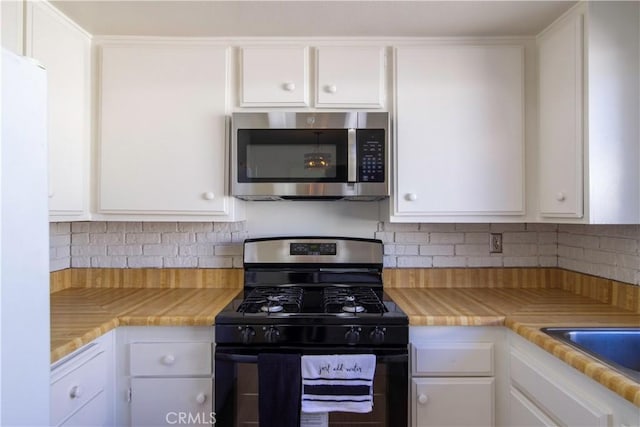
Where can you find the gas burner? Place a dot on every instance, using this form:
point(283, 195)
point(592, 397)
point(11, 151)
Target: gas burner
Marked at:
point(268, 300)
point(339, 299)
point(350, 305)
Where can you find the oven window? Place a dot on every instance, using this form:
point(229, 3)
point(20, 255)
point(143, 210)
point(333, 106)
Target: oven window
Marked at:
point(292, 155)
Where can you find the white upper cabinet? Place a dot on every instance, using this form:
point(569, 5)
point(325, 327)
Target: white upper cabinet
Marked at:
point(350, 76)
point(560, 118)
point(12, 26)
point(162, 146)
point(589, 107)
point(459, 132)
point(274, 76)
point(65, 51)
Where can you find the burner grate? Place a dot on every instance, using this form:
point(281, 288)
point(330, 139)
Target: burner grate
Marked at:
point(352, 300)
point(273, 300)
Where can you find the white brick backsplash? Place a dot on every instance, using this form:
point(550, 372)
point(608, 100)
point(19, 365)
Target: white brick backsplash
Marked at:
point(161, 249)
point(228, 250)
point(446, 238)
point(449, 261)
point(414, 262)
point(106, 239)
point(401, 249)
point(126, 250)
point(178, 238)
point(180, 262)
point(215, 262)
point(142, 238)
point(431, 250)
point(144, 262)
point(411, 237)
point(109, 261)
point(610, 251)
point(474, 249)
point(160, 227)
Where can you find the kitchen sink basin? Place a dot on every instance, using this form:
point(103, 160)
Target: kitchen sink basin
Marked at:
point(618, 348)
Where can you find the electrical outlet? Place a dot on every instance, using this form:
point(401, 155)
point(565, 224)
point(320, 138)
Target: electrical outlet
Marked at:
point(495, 243)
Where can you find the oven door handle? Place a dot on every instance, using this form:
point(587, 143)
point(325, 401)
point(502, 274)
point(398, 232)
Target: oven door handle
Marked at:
point(252, 358)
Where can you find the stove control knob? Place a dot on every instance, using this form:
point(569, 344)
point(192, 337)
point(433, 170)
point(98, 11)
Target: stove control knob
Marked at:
point(377, 335)
point(247, 334)
point(353, 335)
point(272, 335)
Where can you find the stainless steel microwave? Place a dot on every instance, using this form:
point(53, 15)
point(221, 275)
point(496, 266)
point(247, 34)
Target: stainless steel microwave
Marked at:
point(310, 156)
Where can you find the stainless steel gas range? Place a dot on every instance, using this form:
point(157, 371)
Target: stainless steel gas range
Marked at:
point(311, 296)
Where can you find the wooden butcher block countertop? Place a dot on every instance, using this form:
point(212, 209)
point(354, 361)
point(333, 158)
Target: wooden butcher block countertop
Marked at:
point(524, 300)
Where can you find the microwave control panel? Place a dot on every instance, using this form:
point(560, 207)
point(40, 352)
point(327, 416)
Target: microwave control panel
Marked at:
point(371, 155)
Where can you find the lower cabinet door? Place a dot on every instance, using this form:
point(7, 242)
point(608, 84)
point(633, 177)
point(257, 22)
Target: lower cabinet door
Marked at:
point(524, 413)
point(452, 402)
point(94, 413)
point(171, 401)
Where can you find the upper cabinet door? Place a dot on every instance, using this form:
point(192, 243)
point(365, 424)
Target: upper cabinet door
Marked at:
point(350, 76)
point(460, 131)
point(65, 51)
point(274, 76)
point(560, 117)
point(162, 130)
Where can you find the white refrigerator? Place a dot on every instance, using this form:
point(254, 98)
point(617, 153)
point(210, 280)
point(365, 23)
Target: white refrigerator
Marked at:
point(24, 244)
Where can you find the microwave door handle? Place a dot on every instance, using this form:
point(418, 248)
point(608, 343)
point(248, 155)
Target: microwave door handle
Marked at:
point(352, 155)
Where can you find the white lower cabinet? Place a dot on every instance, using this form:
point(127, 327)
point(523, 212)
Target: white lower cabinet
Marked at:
point(457, 376)
point(165, 376)
point(544, 391)
point(82, 386)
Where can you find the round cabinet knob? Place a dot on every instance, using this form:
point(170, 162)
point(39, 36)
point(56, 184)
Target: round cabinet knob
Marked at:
point(377, 336)
point(272, 335)
point(289, 86)
point(201, 398)
point(423, 399)
point(561, 197)
point(412, 197)
point(352, 336)
point(168, 359)
point(51, 194)
point(247, 335)
point(208, 195)
point(331, 88)
point(75, 392)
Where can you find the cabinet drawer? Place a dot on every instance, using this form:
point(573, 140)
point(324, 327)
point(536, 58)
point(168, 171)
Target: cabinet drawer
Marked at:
point(165, 401)
point(561, 400)
point(452, 359)
point(94, 413)
point(171, 359)
point(453, 402)
point(77, 387)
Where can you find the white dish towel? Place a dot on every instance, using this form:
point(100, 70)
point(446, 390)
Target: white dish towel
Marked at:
point(337, 383)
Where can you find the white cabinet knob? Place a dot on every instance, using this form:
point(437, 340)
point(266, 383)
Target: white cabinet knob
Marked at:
point(560, 197)
point(51, 194)
point(423, 399)
point(289, 86)
point(168, 359)
point(331, 88)
point(412, 197)
point(201, 398)
point(208, 195)
point(75, 392)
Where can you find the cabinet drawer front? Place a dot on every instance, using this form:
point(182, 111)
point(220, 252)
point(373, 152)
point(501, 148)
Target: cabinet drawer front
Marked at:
point(566, 404)
point(166, 401)
point(94, 413)
point(453, 359)
point(78, 387)
point(161, 359)
point(453, 402)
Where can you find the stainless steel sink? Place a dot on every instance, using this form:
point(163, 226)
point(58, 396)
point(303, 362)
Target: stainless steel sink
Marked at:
point(617, 347)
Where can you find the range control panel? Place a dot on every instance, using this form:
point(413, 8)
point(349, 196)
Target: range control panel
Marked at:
point(312, 249)
point(371, 155)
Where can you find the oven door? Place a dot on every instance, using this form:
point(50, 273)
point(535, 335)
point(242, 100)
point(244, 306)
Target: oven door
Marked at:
point(236, 386)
